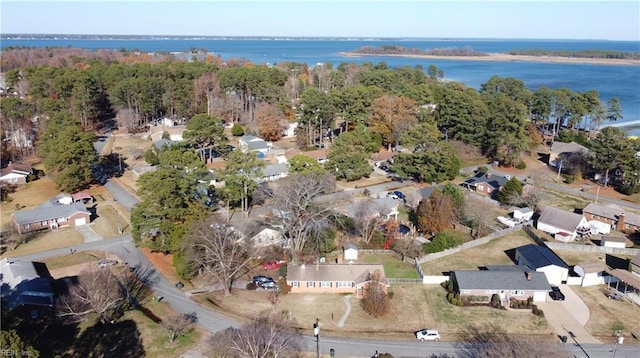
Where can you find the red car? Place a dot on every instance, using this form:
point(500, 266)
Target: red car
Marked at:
point(272, 265)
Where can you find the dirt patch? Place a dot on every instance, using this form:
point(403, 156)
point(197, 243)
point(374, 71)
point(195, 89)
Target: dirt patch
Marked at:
point(163, 263)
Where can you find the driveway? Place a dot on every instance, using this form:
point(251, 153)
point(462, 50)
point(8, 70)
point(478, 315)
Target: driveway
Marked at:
point(570, 315)
point(88, 233)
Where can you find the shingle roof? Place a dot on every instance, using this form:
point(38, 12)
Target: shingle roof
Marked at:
point(501, 280)
point(333, 272)
point(537, 256)
point(559, 218)
point(275, 169)
point(494, 181)
point(516, 268)
point(592, 267)
point(612, 212)
point(571, 147)
point(46, 212)
point(426, 192)
point(21, 168)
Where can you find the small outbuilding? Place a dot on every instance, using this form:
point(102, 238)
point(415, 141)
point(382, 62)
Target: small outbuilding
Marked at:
point(615, 241)
point(350, 251)
point(591, 273)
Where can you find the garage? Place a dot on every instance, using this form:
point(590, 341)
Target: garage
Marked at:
point(80, 221)
point(542, 259)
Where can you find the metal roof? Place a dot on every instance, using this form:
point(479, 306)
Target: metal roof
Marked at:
point(536, 256)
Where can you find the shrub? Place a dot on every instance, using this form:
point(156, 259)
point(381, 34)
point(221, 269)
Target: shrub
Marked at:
point(521, 165)
point(284, 288)
point(450, 286)
point(483, 169)
point(450, 296)
point(251, 286)
point(459, 303)
point(237, 130)
point(536, 311)
point(495, 299)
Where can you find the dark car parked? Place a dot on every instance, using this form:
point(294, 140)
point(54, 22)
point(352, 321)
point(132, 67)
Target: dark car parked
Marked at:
point(260, 280)
point(399, 194)
point(556, 294)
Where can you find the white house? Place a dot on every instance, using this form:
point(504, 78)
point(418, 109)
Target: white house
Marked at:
point(613, 241)
point(591, 273)
point(253, 143)
point(350, 251)
point(542, 259)
point(564, 225)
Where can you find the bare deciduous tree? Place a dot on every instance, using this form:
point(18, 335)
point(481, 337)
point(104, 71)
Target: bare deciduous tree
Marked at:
point(218, 251)
point(207, 88)
point(267, 336)
point(376, 301)
point(491, 341)
point(98, 291)
point(481, 213)
point(367, 218)
point(406, 247)
point(178, 324)
point(295, 210)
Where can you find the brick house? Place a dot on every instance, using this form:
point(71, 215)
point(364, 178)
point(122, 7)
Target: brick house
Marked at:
point(334, 278)
point(60, 211)
point(612, 214)
point(485, 183)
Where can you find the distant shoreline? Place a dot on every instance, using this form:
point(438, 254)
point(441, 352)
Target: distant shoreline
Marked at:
point(508, 58)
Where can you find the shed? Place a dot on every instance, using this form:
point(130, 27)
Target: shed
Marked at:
point(542, 259)
point(350, 251)
point(523, 214)
point(613, 241)
point(591, 273)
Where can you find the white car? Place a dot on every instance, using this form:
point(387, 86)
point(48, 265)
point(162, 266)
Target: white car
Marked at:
point(392, 195)
point(428, 335)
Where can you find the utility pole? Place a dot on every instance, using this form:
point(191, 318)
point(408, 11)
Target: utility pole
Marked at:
point(559, 169)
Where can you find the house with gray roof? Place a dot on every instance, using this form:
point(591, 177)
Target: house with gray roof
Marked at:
point(542, 259)
point(273, 172)
point(249, 143)
point(53, 214)
point(507, 284)
point(565, 225)
point(485, 183)
point(385, 208)
point(26, 285)
point(335, 278)
point(634, 264)
point(618, 218)
point(560, 148)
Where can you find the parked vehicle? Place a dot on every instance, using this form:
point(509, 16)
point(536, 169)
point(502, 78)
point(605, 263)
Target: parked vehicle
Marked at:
point(259, 280)
point(269, 285)
point(556, 294)
point(392, 195)
point(427, 335)
point(107, 263)
point(272, 265)
point(399, 194)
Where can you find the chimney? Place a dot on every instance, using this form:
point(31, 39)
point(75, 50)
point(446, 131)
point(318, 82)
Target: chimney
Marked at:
point(488, 175)
point(529, 275)
point(620, 225)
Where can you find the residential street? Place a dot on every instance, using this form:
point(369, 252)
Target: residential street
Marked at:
point(124, 248)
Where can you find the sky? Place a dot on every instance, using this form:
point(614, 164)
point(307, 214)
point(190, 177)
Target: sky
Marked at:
point(516, 19)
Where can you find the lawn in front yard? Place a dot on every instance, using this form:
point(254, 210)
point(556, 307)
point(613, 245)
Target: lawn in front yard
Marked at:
point(414, 306)
point(393, 267)
point(45, 240)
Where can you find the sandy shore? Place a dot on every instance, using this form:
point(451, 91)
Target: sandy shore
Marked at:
point(507, 57)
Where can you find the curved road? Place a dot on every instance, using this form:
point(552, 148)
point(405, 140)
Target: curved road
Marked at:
point(124, 248)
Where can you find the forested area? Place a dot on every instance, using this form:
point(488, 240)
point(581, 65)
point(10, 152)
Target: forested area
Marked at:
point(61, 98)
